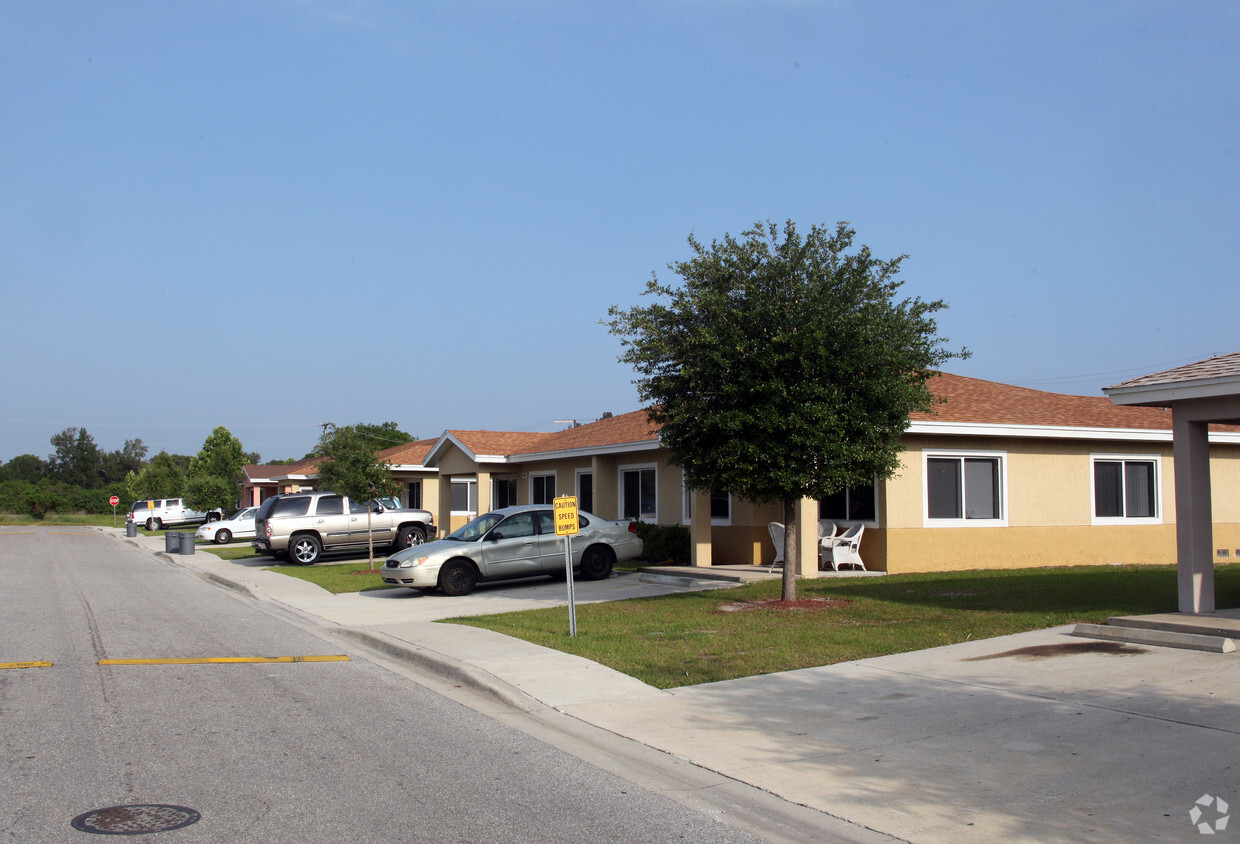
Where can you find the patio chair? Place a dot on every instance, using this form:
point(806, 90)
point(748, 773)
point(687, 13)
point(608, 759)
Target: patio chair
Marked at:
point(827, 530)
point(777, 536)
point(846, 549)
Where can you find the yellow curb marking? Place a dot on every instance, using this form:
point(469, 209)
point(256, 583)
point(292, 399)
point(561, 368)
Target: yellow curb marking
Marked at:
point(39, 664)
point(225, 659)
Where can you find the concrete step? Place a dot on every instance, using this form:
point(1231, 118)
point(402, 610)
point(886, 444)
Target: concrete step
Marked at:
point(1156, 637)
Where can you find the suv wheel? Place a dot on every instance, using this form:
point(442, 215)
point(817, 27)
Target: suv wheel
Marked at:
point(304, 549)
point(409, 537)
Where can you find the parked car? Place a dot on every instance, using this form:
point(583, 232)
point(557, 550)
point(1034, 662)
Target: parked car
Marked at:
point(302, 525)
point(512, 542)
point(159, 513)
point(240, 525)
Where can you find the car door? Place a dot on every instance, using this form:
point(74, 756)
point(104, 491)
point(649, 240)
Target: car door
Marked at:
point(510, 549)
point(550, 546)
point(331, 520)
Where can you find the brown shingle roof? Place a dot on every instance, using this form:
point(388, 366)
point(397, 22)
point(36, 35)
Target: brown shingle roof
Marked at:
point(407, 454)
point(972, 400)
point(1223, 366)
point(625, 429)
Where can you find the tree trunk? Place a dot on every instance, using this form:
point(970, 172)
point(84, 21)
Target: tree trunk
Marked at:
point(792, 551)
point(370, 537)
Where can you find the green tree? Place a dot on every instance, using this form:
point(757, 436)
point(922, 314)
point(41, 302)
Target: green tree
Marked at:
point(783, 368)
point(27, 467)
point(162, 478)
point(117, 464)
point(351, 466)
point(77, 461)
point(210, 492)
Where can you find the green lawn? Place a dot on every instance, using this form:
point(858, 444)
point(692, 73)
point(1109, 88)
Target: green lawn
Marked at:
point(701, 637)
point(354, 576)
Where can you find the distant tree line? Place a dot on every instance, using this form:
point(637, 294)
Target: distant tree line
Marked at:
point(79, 477)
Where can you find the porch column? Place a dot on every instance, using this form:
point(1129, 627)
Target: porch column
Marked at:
point(807, 536)
point(484, 491)
point(1194, 516)
point(699, 530)
point(605, 487)
point(443, 513)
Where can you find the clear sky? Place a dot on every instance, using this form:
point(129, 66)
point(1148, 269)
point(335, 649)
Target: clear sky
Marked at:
point(272, 214)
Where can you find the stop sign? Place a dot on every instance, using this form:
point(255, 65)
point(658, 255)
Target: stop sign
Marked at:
point(114, 501)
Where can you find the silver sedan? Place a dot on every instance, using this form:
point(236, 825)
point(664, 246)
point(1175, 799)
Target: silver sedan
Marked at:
point(512, 542)
point(240, 525)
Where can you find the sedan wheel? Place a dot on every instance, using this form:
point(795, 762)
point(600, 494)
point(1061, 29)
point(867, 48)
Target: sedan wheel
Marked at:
point(305, 549)
point(596, 563)
point(457, 577)
point(223, 535)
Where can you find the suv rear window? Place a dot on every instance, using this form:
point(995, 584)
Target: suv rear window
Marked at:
point(289, 507)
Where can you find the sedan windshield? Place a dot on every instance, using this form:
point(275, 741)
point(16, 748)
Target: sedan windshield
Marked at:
point(476, 529)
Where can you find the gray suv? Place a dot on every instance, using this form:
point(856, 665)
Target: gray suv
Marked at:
point(302, 525)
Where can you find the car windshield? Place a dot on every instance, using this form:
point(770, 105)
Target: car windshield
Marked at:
point(242, 512)
point(476, 529)
point(388, 503)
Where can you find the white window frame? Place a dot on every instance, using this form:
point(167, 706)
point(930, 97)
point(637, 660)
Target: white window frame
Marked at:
point(577, 474)
point(469, 482)
point(555, 482)
point(495, 498)
point(636, 467)
point(1095, 459)
point(963, 454)
point(686, 512)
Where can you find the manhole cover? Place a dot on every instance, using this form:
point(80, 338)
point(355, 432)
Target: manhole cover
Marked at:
point(135, 820)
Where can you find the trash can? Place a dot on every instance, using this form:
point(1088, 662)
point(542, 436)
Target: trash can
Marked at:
point(172, 542)
point(187, 544)
point(131, 529)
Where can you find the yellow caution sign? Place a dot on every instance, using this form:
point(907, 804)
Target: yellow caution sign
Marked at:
point(567, 522)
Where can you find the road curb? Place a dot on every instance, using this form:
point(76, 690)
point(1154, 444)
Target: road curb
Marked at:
point(447, 667)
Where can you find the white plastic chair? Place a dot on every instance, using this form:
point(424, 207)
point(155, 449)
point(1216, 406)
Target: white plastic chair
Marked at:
point(846, 549)
point(777, 536)
point(827, 530)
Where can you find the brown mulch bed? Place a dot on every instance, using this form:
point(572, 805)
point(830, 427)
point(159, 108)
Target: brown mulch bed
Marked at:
point(806, 604)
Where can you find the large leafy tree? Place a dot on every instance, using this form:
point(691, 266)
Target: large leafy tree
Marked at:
point(783, 367)
point(215, 472)
point(351, 466)
point(77, 461)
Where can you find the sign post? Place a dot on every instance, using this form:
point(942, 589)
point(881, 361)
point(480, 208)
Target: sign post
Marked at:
point(568, 525)
point(114, 501)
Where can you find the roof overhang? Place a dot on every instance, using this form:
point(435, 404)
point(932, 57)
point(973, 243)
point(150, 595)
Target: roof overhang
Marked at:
point(1062, 432)
point(1163, 395)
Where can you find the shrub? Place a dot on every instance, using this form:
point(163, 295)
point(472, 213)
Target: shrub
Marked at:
point(670, 542)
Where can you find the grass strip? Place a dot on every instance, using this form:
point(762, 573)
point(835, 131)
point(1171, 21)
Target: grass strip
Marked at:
point(340, 577)
point(702, 637)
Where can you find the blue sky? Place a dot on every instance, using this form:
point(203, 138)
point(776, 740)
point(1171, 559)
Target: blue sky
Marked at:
point(267, 215)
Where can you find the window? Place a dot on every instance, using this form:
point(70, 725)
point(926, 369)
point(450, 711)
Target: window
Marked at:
point(720, 508)
point(855, 504)
point(464, 498)
point(333, 505)
point(964, 489)
point(638, 499)
point(289, 507)
point(503, 492)
point(1126, 489)
point(585, 491)
point(542, 489)
point(414, 496)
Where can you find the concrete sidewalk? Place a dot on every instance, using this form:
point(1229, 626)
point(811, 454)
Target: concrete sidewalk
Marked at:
point(1034, 737)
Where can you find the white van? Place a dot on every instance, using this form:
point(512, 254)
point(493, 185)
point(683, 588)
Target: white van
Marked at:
point(159, 513)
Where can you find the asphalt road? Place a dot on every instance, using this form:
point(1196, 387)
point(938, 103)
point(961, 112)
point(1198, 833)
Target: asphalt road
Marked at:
point(299, 751)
